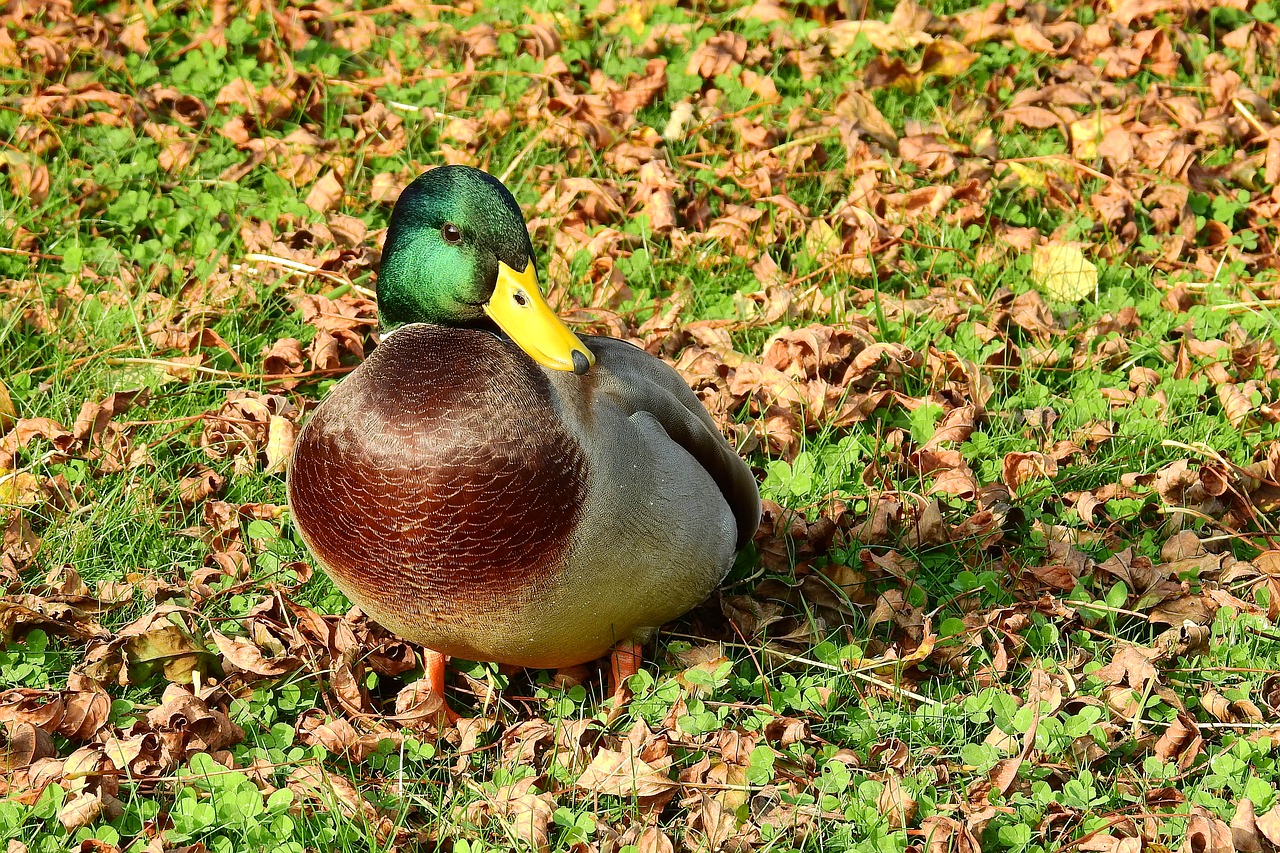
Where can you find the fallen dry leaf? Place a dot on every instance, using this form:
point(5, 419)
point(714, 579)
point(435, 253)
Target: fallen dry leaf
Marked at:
point(1063, 273)
point(623, 774)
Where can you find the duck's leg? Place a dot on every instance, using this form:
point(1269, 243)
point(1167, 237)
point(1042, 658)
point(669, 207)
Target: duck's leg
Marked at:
point(433, 663)
point(624, 662)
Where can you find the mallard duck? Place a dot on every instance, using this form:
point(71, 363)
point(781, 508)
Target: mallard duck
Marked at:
point(495, 487)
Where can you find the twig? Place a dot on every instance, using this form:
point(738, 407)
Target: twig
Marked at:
point(524, 152)
point(79, 362)
point(861, 676)
point(298, 266)
point(1142, 703)
point(6, 250)
point(231, 374)
point(1250, 118)
point(1231, 466)
point(1246, 306)
point(803, 140)
point(1075, 164)
point(1213, 727)
point(388, 9)
point(1258, 632)
point(1106, 608)
point(1206, 450)
point(725, 117)
point(1231, 531)
point(11, 475)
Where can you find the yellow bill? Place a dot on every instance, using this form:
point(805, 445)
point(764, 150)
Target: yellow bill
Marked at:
point(519, 310)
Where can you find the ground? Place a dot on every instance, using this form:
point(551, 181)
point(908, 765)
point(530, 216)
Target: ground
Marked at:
point(988, 297)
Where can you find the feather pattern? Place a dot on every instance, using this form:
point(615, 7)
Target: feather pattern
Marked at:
point(493, 509)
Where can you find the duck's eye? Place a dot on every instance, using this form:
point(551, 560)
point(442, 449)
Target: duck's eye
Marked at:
point(451, 233)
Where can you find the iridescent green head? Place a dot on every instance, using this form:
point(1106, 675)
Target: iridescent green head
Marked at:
point(457, 253)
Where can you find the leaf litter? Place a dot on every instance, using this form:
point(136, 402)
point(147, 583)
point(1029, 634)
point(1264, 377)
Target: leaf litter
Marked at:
point(1004, 357)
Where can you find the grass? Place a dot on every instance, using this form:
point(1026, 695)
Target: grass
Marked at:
point(855, 686)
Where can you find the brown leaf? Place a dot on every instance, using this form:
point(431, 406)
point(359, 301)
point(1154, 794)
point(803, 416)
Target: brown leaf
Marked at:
point(1197, 610)
point(339, 737)
point(713, 818)
point(284, 358)
point(1206, 833)
point(960, 482)
point(1067, 555)
point(786, 731)
point(143, 755)
point(348, 231)
point(26, 430)
point(241, 426)
point(314, 783)
point(947, 835)
point(8, 414)
point(946, 58)
point(1188, 638)
point(717, 55)
point(860, 109)
point(1269, 826)
point(176, 150)
point(1244, 828)
point(1137, 571)
point(326, 193)
point(623, 774)
point(386, 187)
point(904, 30)
point(1130, 665)
point(347, 682)
point(895, 803)
point(1183, 544)
point(30, 611)
point(1235, 402)
point(79, 810)
point(650, 839)
point(163, 640)
point(1020, 468)
point(955, 427)
point(1031, 116)
point(20, 488)
point(247, 656)
point(418, 706)
point(281, 435)
point(1030, 312)
point(1005, 773)
point(181, 710)
point(1181, 743)
point(22, 744)
point(642, 90)
point(268, 104)
point(84, 714)
point(201, 485)
point(528, 815)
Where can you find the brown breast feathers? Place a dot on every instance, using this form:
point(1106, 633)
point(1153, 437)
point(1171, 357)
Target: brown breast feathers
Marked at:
point(439, 472)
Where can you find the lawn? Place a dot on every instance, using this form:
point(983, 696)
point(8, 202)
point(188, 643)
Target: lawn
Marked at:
point(989, 297)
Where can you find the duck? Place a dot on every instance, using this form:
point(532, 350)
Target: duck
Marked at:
point(494, 487)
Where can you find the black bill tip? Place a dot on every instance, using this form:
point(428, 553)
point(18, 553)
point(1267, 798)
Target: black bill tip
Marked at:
point(580, 363)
